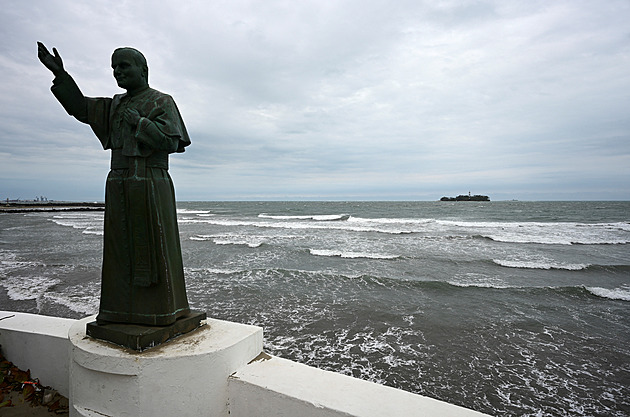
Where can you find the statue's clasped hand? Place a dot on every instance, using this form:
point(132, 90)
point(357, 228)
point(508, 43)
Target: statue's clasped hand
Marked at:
point(131, 116)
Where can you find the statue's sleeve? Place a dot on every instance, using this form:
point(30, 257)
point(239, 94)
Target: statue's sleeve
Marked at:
point(98, 112)
point(69, 95)
point(163, 128)
point(93, 111)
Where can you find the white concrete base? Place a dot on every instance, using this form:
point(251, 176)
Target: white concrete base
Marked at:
point(186, 376)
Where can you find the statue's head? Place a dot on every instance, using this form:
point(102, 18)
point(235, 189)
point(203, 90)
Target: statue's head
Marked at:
point(130, 68)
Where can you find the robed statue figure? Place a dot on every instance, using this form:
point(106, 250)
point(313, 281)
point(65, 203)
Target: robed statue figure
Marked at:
point(142, 275)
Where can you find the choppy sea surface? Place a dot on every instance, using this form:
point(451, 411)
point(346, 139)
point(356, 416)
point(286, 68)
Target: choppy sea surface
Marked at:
point(509, 308)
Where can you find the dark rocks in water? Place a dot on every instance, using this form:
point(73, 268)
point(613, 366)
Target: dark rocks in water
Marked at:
point(466, 198)
point(33, 206)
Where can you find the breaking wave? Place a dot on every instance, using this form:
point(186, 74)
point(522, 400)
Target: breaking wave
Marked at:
point(622, 293)
point(317, 217)
point(539, 265)
point(349, 254)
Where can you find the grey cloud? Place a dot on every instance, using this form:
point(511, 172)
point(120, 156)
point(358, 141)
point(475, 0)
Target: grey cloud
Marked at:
point(331, 99)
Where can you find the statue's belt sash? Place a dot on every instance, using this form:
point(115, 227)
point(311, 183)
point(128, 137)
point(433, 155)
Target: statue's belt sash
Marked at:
point(157, 159)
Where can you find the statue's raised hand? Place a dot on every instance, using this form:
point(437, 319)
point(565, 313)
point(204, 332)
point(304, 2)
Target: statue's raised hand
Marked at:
point(52, 62)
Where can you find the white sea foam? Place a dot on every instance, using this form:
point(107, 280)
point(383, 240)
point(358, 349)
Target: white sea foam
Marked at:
point(187, 211)
point(560, 233)
point(318, 217)
point(293, 225)
point(8, 263)
point(465, 284)
point(386, 220)
point(67, 223)
point(88, 223)
point(556, 233)
point(622, 293)
point(27, 287)
point(539, 264)
point(349, 254)
point(216, 222)
point(478, 280)
point(82, 298)
point(251, 241)
point(201, 238)
point(372, 344)
point(212, 271)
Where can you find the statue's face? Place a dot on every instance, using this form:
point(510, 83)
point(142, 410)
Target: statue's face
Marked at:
point(128, 74)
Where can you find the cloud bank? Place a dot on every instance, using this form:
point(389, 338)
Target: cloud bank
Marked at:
point(336, 100)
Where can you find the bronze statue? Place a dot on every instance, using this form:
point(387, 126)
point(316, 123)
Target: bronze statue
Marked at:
point(142, 275)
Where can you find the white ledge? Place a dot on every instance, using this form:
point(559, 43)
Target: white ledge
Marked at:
point(271, 386)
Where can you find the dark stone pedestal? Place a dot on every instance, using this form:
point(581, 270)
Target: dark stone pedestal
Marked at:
point(139, 337)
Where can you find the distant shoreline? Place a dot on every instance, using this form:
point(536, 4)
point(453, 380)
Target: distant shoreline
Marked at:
point(37, 206)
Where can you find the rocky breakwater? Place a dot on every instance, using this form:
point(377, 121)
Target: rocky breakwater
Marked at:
point(26, 206)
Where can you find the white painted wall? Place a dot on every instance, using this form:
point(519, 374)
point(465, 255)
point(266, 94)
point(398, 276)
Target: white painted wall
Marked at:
point(38, 343)
point(275, 387)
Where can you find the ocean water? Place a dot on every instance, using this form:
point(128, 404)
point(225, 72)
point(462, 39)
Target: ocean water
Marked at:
point(509, 308)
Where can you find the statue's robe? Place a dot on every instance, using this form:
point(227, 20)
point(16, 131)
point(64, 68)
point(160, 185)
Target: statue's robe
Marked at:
point(142, 275)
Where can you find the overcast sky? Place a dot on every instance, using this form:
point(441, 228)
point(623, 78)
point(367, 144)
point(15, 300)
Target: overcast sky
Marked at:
point(335, 100)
